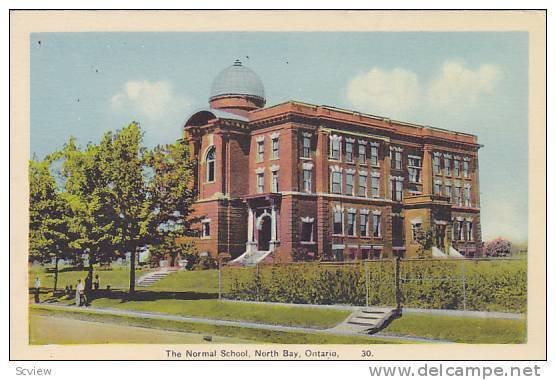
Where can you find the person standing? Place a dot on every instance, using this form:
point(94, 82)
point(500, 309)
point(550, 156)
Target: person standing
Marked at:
point(37, 289)
point(96, 282)
point(79, 290)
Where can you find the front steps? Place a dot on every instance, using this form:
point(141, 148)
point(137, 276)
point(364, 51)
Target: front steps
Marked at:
point(250, 258)
point(369, 320)
point(152, 277)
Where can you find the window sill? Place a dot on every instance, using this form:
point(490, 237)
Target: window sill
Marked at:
point(338, 235)
point(205, 237)
point(308, 242)
point(306, 158)
point(274, 159)
point(208, 182)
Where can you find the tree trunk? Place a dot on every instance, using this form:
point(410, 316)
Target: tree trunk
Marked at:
point(132, 271)
point(55, 273)
point(89, 279)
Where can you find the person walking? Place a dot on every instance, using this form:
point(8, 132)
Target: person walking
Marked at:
point(37, 290)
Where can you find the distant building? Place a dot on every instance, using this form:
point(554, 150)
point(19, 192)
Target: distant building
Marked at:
point(310, 180)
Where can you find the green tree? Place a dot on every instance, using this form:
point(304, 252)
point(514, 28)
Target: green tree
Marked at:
point(424, 238)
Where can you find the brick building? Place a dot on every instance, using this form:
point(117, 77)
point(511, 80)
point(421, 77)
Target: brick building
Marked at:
point(307, 180)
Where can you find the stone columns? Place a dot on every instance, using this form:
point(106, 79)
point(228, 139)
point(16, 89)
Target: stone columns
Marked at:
point(273, 229)
point(426, 171)
point(251, 245)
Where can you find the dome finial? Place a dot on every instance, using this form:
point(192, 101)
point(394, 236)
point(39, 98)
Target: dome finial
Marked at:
point(237, 62)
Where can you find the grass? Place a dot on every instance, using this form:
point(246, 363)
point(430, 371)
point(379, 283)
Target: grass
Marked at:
point(253, 334)
point(199, 281)
point(214, 309)
point(460, 329)
point(117, 277)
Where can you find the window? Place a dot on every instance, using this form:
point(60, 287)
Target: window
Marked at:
point(437, 188)
point(211, 163)
point(375, 186)
point(467, 195)
point(469, 230)
point(465, 168)
point(447, 165)
point(362, 185)
point(260, 151)
point(397, 188)
point(436, 164)
point(307, 180)
point(349, 151)
point(374, 154)
point(335, 142)
point(351, 223)
point(363, 221)
point(260, 182)
point(306, 151)
point(275, 188)
point(307, 231)
point(448, 191)
point(349, 183)
point(460, 230)
point(376, 225)
point(338, 254)
point(397, 160)
point(336, 182)
point(338, 222)
point(415, 228)
point(414, 168)
point(455, 231)
point(205, 228)
point(275, 148)
point(458, 195)
point(457, 167)
point(362, 153)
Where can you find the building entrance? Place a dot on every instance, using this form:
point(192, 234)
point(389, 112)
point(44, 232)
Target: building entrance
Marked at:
point(265, 234)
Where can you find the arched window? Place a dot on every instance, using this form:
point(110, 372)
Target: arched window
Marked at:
point(210, 162)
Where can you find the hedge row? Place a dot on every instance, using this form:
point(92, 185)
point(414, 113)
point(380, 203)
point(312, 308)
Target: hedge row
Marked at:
point(499, 285)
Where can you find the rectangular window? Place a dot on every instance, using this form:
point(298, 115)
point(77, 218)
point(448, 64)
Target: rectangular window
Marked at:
point(306, 147)
point(349, 184)
point(415, 228)
point(374, 155)
point(275, 148)
point(205, 229)
point(335, 149)
point(458, 196)
point(307, 180)
point(469, 231)
point(336, 182)
point(455, 232)
point(349, 151)
point(456, 168)
point(437, 188)
point(338, 222)
point(376, 225)
point(397, 189)
point(362, 154)
point(338, 254)
point(260, 182)
point(260, 151)
point(397, 160)
point(436, 165)
point(466, 169)
point(362, 185)
point(375, 187)
point(467, 196)
point(460, 230)
point(351, 224)
point(307, 232)
point(448, 192)
point(363, 221)
point(414, 168)
point(447, 166)
point(275, 181)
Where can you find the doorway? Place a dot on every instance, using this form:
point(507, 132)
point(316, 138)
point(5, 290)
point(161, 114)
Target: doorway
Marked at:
point(265, 234)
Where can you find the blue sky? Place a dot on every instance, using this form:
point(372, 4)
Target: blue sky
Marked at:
point(84, 84)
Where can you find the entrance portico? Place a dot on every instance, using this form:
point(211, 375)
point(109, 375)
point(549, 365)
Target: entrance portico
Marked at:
point(262, 222)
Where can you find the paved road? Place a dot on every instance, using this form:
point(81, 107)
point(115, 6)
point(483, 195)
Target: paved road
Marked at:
point(62, 330)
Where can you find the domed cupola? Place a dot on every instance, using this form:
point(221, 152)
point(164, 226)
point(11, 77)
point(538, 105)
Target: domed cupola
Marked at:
point(237, 88)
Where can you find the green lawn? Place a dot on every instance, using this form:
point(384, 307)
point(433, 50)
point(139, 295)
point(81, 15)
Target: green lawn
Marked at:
point(214, 309)
point(117, 277)
point(257, 335)
point(199, 281)
point(460, 329)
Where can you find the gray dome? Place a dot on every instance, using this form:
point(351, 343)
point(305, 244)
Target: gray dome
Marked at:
point(237, 80)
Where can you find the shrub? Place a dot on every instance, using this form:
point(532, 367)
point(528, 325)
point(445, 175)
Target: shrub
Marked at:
point(498, 248)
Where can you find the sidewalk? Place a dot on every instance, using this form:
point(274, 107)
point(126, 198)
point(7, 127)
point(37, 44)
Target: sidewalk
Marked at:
point(219, 322)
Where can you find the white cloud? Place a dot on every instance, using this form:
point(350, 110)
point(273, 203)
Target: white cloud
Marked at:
point(384, 92)
point(501, 217)
point(153, 100)
point(400, 93)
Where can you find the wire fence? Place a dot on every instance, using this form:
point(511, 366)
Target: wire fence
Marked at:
point(491, 284)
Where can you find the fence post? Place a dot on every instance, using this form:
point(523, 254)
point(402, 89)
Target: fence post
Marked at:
point(366, 283)
point(397, 280)
point(463, 284)
point(219, 280)
point(258, 282)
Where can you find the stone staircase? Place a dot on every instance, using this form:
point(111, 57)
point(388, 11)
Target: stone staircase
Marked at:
point(369, 320)
point(250, 258)
point(152, 277)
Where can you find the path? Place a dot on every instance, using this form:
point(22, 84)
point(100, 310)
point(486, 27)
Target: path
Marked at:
point(219, 322)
